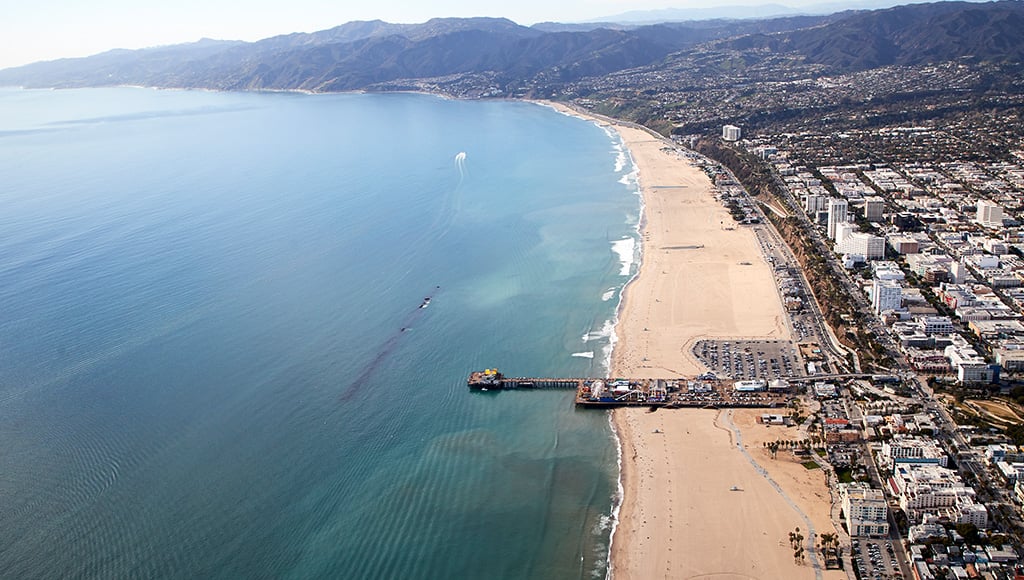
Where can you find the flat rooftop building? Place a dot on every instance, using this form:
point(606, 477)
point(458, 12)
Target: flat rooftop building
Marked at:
point(865, 510)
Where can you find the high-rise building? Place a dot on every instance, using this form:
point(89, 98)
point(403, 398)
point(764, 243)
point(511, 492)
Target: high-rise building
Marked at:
point(989, 214)
point(815, 203)
point(886, 295)
point(873, 207)
point(837, 212)
point(731, 133)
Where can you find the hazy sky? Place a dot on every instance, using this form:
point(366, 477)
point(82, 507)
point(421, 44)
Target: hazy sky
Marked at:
point(32, 30)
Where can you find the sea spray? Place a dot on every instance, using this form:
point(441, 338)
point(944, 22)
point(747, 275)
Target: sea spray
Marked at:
point(621, 158)
point(626, 250)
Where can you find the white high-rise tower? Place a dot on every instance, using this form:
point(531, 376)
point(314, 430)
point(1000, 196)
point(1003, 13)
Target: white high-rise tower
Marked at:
point(837, 212)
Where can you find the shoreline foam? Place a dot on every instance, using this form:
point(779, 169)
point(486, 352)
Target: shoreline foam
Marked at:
point(625, 164)
point(619, 493)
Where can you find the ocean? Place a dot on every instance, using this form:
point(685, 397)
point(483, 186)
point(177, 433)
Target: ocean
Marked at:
point(213, 358)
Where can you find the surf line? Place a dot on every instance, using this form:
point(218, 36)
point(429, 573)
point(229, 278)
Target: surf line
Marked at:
point(387, 348)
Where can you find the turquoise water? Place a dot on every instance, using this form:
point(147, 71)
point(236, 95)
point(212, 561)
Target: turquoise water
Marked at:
point(212, 358)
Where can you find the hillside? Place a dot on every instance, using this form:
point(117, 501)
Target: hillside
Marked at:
point(493, 56)
point(359, 55)
point(905, 35)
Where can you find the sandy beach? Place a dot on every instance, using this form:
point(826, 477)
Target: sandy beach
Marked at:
point(696, 504)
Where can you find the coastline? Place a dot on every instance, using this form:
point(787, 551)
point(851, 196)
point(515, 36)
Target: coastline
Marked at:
point(699, 277)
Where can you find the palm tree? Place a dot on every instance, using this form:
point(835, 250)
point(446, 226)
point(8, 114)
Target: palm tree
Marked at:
point(829, 546)
point(796, 539)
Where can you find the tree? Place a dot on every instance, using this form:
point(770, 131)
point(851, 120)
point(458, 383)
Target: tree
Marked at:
point(829, 547)
point(969, 532)
point(797, 541)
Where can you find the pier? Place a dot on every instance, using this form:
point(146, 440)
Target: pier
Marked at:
point(491, 379)
point(705, 391)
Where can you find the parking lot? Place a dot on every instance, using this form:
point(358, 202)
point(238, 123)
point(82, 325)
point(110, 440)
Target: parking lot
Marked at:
point(750, 359)
point(804, 321)
point(875, 559)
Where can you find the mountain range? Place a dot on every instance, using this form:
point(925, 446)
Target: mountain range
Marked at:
point(744, 12)
point(494, 55)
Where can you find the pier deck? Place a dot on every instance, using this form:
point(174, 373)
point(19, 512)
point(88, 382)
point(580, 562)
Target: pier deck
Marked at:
point(701, 392)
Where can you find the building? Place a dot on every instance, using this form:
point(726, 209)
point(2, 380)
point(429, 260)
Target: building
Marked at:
point(958, 272)
point(904, 245)
point(994, 246)
point(996, 330)
point(923, 532)
point(825, 390)
point(834, 436)
point(937, 325)
point(1012, 360)
point(843, 231)
point(774, 419)
point(921, 264)
point(867, 514)
point(884, 270)
point(915, 450)
point(886, 295)
point(970, 366)
point(1003, 453)
point(873, 207)
point(815, 203)
point(927, 491)
point(870, 246)
point(837, 213)
point(1011, 472)
point(750, 386)
point(928, 361)
point(989, 214)
point(731, 133)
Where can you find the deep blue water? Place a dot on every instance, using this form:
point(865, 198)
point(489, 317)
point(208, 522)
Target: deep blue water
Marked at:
point(213, 363)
